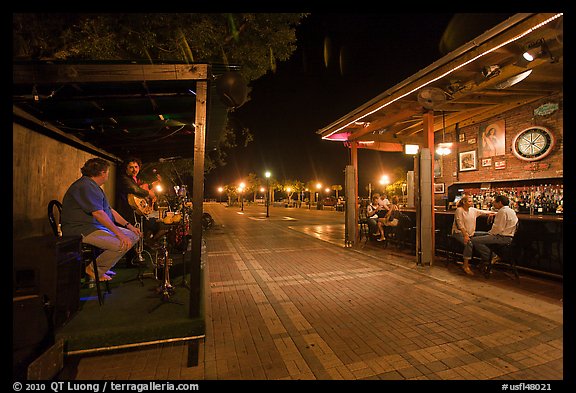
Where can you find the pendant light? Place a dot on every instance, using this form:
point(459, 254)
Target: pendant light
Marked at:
point(444, 148)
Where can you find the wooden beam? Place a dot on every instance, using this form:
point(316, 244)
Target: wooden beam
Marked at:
point(84, 73)
point(389, 119)
point(382, 146)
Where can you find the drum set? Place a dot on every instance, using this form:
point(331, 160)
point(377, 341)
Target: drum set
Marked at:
point(154, 251)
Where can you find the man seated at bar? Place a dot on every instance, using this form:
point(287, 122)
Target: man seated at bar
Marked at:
point(464, 228)
point(502, 231)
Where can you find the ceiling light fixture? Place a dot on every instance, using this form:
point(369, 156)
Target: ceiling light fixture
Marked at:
point(444, 148)
point(513, 80)
point(489, 72)
point(534, 50)
point(411, 149)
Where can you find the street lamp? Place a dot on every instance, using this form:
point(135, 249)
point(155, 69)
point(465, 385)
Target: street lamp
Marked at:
point(241, 189)
point(267, 175)
point(220, 189)
point(404, 188)
point(317, 194)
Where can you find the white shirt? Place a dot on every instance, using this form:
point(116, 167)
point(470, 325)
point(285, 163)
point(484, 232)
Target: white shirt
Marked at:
point(371, 211)
point(467, 220)
point(384, 203)
point(504, 222)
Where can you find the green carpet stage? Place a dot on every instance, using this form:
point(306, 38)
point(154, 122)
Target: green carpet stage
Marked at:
point(134, 314)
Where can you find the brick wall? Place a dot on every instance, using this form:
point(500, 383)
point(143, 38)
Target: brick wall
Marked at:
point(515, 121)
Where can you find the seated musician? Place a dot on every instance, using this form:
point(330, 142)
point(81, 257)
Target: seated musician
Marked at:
point(86, 212)
point(135, 198)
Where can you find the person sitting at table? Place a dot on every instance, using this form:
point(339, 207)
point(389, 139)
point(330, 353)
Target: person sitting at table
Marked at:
point(502, 231)
point(373, 216)
point(464, 228)
point(384, 204)
point(390, 220)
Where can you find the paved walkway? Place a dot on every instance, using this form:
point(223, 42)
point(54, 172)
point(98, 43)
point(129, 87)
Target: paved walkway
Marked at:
point(285, 301)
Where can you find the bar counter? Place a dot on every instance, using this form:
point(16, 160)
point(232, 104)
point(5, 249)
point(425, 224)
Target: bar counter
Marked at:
point(541, 238)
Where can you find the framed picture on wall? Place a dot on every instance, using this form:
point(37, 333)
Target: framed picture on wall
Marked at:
point(438, 188)
point(437, 165)
point(467, 161)
point(492, 139)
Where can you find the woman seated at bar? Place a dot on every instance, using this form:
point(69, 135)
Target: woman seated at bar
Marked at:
point(390, 220)
point(464, 228)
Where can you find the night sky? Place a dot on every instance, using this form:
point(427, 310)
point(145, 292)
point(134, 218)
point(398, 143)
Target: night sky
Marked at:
point(305, 94)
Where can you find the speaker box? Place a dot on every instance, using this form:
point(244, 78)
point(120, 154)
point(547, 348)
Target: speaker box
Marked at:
point(30, 332)
point(49, 268)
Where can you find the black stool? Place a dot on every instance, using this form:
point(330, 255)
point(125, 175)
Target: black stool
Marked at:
point(508, 254)
point(89, 255)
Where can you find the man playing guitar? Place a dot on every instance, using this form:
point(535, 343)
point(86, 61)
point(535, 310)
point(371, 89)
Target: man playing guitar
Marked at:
point(134, 196)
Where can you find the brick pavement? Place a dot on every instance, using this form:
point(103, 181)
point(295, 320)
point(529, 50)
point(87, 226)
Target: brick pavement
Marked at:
point(283, 305)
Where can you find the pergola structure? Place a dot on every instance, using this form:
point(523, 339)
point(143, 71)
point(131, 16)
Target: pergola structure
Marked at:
point(156, 110)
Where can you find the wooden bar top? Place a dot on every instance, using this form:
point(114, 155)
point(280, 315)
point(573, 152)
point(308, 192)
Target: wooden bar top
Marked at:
point(523, 217)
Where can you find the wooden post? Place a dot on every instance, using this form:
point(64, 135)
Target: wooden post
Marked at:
point(428, 119)
point(198, 198)
point(354, 159)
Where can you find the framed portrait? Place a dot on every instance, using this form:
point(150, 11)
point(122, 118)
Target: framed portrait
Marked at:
point(437, 165)
point(492, 139)
point(438, 188)
point(467, 161)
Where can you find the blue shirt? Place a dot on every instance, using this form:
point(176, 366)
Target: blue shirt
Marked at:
point(83, 197)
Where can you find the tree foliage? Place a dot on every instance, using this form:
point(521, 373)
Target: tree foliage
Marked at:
point(256, 41)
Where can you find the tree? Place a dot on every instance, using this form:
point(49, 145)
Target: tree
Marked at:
point(336, 187)
point(256, 41)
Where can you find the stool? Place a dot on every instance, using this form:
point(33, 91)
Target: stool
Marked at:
point(364, 229)
point(89, 254)
point(453, 248)
point(507, 254)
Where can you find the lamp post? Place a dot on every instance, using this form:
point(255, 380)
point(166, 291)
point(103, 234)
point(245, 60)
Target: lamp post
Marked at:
point(267, 175)
point(241, 189)
point(220, 189)
point(404, 188)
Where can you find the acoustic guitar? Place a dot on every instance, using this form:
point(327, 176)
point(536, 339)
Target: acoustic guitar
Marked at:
point(142, 206)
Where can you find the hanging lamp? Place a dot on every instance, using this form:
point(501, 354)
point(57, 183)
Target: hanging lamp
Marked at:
point(444, 148)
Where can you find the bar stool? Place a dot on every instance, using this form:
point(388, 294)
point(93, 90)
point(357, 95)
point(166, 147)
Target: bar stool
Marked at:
point(363, 223)
point(89, 252)
point(508, 254)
